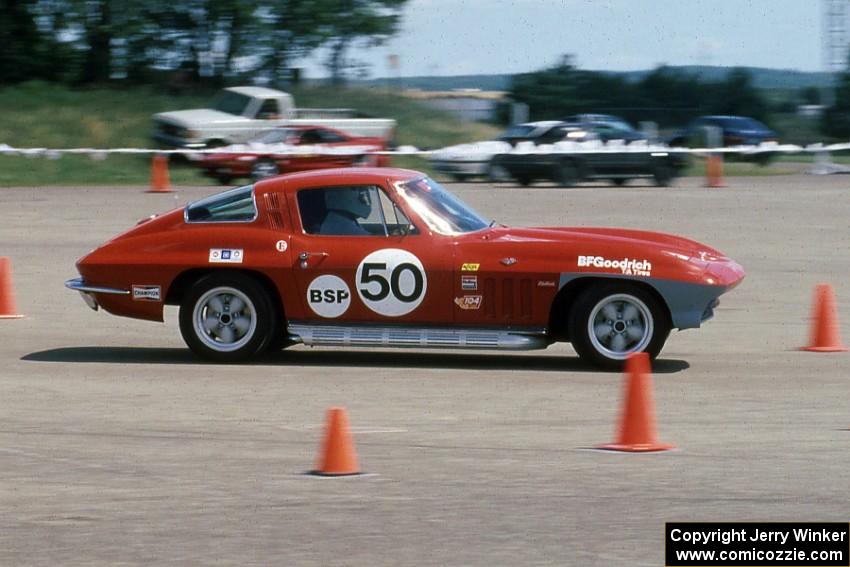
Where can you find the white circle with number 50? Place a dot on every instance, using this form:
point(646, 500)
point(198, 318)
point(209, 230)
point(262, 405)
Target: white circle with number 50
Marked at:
point(391, 282)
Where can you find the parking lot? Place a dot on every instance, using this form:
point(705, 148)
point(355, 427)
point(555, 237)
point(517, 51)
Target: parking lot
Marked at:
point(117, 446)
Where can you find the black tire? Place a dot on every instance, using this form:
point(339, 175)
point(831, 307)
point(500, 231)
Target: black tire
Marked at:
point(637, 323)
point(524, 180)
point(497, 173)
point(566, 174)
point(242, 329)
point(663, 175)
point(224, 179)
point(264, 168)
point(212, 144)
point(460, 177)
point(619, 181)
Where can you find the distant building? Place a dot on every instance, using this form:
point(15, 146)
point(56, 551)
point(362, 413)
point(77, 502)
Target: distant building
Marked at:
point(470, 105)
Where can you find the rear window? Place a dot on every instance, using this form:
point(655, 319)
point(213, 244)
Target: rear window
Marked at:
point(235, 205)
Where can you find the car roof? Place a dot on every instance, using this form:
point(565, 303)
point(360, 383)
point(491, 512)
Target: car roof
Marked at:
point(256, 91)
point(336, 176)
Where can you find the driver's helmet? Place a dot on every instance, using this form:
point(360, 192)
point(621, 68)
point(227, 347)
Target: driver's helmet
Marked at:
point(355, 201)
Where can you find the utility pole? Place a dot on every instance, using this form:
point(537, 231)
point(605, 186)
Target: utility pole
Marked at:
point(835, 40)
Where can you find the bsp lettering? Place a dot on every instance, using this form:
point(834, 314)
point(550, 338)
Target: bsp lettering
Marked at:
point(328, 295)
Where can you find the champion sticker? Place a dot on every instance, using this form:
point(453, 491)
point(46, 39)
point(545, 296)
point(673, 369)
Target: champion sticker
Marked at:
point(469, 302)
point(469, 267)
point(328, 296)
point(391, 282)
point(627, 266)
point(147, 293)
point(469, 283)
point(226, 256)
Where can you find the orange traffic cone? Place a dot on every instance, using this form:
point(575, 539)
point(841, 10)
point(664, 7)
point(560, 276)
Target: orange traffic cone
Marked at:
point(714, 171)
point(825, 336)
point(337, 456)
point(160, 182)
point(637, 432)
point(7, 294)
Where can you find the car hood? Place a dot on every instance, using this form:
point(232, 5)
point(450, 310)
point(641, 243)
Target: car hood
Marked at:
point(601, 251)
point(198, 117)
point(474, 151)
point(651, 241)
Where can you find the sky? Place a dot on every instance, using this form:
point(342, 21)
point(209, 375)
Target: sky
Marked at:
point(461, 37)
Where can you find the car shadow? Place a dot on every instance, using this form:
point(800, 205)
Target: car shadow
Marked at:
point(330, 358)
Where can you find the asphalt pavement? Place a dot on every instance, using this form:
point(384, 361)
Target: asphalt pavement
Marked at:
point(118, 447)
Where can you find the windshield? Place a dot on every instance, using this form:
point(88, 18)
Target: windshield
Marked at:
point(231, 102)
point(443, 212)
point(278, 136)
point(519, 131)
point(743, 123)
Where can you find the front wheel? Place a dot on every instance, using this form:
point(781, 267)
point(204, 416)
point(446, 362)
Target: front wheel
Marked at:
point(566, 174)
point(227, 317)
point(609, 322)
point(497, 173)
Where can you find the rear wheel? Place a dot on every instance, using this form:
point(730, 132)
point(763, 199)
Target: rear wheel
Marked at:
point(663, 175)
point(264, 167)
point(227, 317)
point(609, 322)
point(566, 174)
point(619, 181)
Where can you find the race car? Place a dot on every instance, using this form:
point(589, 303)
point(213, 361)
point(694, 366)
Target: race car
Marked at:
point(290, 149)
point(369, 257)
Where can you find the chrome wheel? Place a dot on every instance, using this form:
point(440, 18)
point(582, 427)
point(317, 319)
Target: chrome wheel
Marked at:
point(619, 325)
point(497, 173)
point(224, 319)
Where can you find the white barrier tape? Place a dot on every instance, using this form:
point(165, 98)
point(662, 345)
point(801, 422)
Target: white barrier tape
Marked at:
point(481, 148)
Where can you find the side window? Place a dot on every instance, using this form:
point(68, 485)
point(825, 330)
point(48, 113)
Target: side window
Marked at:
point(236, 205)
point(269, 110)
point(341, 211)
point(329, 137)
point(311, 137)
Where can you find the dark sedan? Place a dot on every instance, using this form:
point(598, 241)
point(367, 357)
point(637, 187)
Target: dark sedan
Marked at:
point(568, 168)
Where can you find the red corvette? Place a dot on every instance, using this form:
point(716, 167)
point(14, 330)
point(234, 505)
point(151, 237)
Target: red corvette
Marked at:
point(388, 258)
point(290, 149)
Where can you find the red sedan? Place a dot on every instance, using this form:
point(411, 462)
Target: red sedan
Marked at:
point(290, 149)
point(389, 258)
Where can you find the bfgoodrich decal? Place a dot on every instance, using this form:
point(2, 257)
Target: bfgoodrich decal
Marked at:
point(628, 266)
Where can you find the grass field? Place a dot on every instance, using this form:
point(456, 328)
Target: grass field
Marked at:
point(49, 116)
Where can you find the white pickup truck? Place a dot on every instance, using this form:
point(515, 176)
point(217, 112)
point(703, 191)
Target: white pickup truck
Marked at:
point(240, 113)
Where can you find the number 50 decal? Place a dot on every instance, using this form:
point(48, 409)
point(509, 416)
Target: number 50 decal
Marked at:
point(391, 282)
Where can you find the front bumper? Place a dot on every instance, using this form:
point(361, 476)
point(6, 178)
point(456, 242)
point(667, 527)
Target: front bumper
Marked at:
point(467, 167)
point(87, 291)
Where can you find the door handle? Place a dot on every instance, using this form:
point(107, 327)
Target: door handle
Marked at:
point(305, 256)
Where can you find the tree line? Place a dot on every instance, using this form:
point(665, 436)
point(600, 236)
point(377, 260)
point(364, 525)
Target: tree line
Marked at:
point(196, 42)
point(666, 96)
